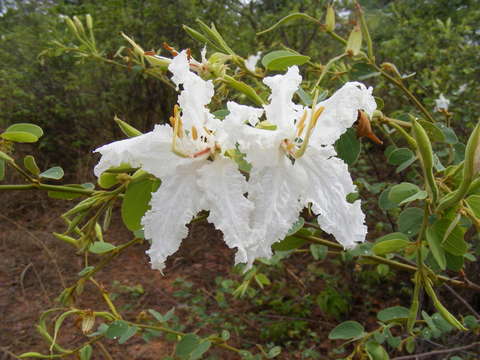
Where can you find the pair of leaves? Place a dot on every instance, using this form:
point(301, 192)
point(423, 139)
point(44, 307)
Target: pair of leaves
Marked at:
point(22, 133)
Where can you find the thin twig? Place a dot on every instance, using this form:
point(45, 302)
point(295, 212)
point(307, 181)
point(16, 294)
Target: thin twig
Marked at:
point(437, 352)
point(463, 301)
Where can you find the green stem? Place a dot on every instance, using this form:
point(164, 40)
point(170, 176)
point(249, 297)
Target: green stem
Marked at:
point(401, 86)
point(393, 263)
point(36, 186)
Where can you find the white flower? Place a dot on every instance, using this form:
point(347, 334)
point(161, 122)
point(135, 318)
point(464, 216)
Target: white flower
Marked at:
point(195, 174)
point(441, 103)
point(295, 164)
point(252, 60)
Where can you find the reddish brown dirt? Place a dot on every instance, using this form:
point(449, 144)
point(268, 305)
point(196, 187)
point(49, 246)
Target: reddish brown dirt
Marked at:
point(35, 267)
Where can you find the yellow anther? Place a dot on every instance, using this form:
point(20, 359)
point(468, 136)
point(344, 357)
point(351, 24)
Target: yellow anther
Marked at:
point(301, 124)
point(194, 133)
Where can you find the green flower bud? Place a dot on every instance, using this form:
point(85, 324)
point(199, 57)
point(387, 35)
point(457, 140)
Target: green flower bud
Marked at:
point(330, 19)
point(424, 149)
point(452, 199)
point(127, 129)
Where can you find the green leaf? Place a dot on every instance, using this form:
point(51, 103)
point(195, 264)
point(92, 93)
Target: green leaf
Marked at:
point(348, 147)
point(384, 202)
point(55, 173)
point(288, 18)
point(201, 349)
point(395, 235)
point(450, 136)
point(361, 72)
point(434, 132)
point(296, 226)
point(282, 59)
point(186, 345)
point(5, 157)
point(291, 242)
point(393, 313)
point(19, 136)
point(454, 263)
point(410, 221)
point(2, 169)
point(319, 252)
point(473, 202)
point(136, 202)
point(116, 329)
point(453, 242)
point(131, 331)
point(390, 246)
point(400, 156)
point(85, 352)
point(35, 130)
point(107, 180)
point(406, 192)
point(346, 330)
point(100, 247)
point(434, 236)
point(31, 165)
point(375, 351)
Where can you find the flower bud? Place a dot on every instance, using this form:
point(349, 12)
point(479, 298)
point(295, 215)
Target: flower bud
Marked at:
point(330, 19)
point(452, 199)
point(89, 22)
point(391, 68)
point(354, 42)
point(127, 129)
point(424, 148)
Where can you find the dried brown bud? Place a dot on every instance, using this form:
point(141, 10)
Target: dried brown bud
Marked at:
point(364, 128)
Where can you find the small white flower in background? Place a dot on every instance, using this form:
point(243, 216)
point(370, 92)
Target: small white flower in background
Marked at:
point(195, 174)
point(461, 89)
point(252, 61)
point(441, 103)
point(294, 162)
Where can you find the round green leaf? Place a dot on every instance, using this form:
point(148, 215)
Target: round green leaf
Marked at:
point(187, 345)
point(384, 202)
point(399, 156)
point(348, 147)
point(376, 351)
point(116, 329)
point(405, 192)
point(107, 180)
point(450, 136)
point(282, 59)
point(390, 246)
point(346, 330)
point(100, 247)
point(393, 313)
point(136, 202)
point(19, 136)
point(433, 131)
point(410, 221)
point(31, 165)
point(35, 130)
point(55, 173)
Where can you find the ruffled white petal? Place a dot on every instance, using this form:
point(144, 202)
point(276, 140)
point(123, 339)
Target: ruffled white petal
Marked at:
point(341, 111)
point(176, 202)
point(196, 93)
point(329, 185)
point(150, 151)
point(225, 188)
point(276, 193)
point(282, 111)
